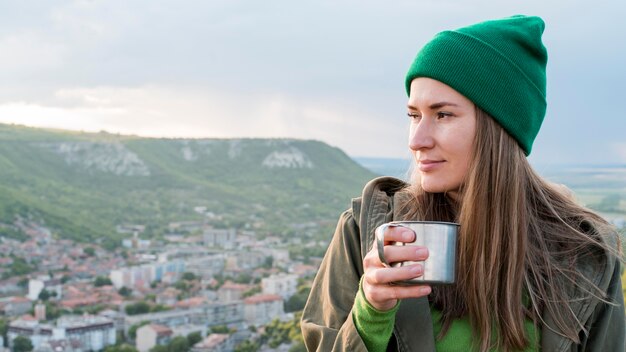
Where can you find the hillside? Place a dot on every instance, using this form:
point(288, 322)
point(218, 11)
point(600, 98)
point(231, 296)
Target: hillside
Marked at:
point(83, 185)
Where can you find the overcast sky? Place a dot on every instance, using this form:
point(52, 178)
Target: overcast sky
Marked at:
point(325, 70)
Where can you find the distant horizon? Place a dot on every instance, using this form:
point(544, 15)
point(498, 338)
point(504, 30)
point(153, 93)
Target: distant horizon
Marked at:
point(363, 157)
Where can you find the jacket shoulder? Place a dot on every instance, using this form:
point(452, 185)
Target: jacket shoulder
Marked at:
point(375, 205)
point(381, 189)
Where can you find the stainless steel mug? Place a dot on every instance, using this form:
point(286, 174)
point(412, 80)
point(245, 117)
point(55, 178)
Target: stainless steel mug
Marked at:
point(439, 237)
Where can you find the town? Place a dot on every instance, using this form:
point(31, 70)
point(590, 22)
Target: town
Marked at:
point(198, 286)
point(199, 289)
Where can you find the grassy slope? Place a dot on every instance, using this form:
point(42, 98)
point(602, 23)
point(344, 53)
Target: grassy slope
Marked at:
point(86, 203)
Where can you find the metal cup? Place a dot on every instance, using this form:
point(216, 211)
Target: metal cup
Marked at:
point(438, 237)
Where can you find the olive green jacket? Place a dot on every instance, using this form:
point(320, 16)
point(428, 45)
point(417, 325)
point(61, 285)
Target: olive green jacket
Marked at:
point(327, 323)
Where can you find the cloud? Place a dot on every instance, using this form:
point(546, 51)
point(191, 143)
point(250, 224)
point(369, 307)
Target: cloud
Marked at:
point(326, 70)
point(163, 111)
point(29, 52)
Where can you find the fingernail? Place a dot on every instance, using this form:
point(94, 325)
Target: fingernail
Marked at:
point(425, 290)
point(422, 252)
point(416, 269)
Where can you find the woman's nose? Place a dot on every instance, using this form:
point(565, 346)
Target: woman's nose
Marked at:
point(421, 135)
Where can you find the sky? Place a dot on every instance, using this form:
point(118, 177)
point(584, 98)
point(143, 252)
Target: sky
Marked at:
point(324, 70)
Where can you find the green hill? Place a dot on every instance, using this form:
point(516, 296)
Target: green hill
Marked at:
point(82, 185)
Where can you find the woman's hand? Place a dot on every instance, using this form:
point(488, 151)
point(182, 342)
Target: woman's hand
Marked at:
point(377, 277)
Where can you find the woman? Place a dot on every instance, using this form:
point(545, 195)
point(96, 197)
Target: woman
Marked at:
point(534, 271)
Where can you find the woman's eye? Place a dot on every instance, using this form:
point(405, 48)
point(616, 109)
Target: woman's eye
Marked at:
point(413, 116)
point(441, 115)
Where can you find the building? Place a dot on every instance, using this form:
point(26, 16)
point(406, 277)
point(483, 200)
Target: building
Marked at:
point(64, 345)
point(15, 305)
point(284, 285)
point(10, 286)
point(35, 286)
point(142, 276)
point(208, 315)
point(168, 297)
point(29, 327)
point(219, 238)
point(214, 343)
point(40, 311)
point(207, 266)
point(224, 313)
point(185, 226)
point(303, 270)
point(245, 260)
point(262, 308)
point(130, 228)
point(117, 318)
point(151, 335)
point(92, 332)
point(280, 256)
point(231, 291)
point(184, 330)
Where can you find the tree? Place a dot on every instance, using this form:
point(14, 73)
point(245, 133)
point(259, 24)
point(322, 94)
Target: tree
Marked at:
point(137, 308)
point(4, 327)
point(102, 281)
point(22, 344)
point(298, 346)
point(247, 346)
point(52, 311)
point(296, 302)
point(159, 348)
point(120, 348)
point(188, 276)
point(20, 267)
point(194, 338)
point(90, 251)
point(158, 308)
point(243, 278)
point(251, 292)
point(268, 263)
point(125, 291)
point(178, 344)
point(219, 329)
point(23, 283)
point(181, 285)
point(110, 244)
point(277, 332)
point(44, 295)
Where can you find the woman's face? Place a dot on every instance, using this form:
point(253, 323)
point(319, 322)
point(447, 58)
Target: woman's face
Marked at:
point(443, 126)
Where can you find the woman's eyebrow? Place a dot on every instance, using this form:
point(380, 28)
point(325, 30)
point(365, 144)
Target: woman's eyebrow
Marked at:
point(434, 105)
point(441, 104)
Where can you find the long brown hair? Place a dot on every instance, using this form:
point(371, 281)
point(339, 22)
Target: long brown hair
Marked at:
point(520, 239)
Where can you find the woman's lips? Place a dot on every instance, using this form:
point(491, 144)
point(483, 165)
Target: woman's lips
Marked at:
point(430, 165)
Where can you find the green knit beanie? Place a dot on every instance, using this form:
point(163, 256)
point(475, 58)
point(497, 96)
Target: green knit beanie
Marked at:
point(500, 65)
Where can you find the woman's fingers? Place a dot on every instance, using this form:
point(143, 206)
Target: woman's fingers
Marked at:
point(394, 254)
point(399, 234)
point(378, 277)
point(385, 276)
point(393, 293)
point(385, 297)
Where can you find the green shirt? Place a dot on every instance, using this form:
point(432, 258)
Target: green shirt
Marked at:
point(375, 328)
